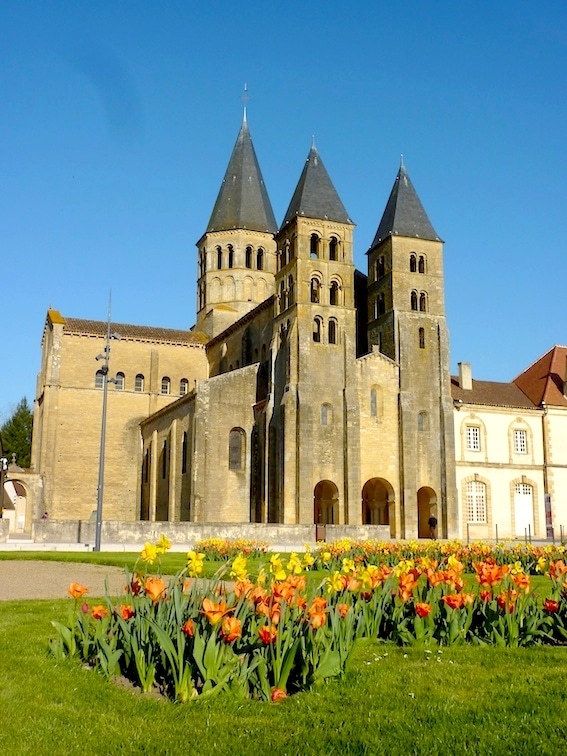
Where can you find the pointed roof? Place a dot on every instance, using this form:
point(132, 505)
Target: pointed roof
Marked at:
point(243, 201)
point(315, 196)
point(544, 381)
point(404, 214)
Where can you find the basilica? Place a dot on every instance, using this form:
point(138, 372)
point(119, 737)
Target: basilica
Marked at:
point(307, 392)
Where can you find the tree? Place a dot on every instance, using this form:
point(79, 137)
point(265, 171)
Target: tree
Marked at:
point(16, 434)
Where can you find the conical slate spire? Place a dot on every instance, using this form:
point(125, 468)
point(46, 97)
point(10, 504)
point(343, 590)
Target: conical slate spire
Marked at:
point(315, 196)
point(404, 214)
point(243, 201)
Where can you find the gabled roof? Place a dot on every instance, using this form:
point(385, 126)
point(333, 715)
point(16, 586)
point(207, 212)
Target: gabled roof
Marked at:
point(404, 214)
point(490, 393)
point(544, 380)
point(315, 196)
point(81, 327)
point(243, 200)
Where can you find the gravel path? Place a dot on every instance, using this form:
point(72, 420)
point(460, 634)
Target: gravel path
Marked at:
point(27, 579)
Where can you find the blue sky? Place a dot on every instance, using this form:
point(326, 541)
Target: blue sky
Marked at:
point(117, 121)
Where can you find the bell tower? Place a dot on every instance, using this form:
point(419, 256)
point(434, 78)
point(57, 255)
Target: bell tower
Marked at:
point(236, 254)
point(406, 320)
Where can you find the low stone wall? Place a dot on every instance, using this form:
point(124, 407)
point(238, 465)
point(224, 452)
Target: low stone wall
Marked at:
point(4, 530)
point(188, 533)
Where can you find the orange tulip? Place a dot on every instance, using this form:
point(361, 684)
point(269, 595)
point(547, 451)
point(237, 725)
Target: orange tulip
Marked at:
point(214, 612)
point(557, 569)
point(76, 590)
point(268, 634)
point(188, 628)
point(231, 629)
point(455, 600)
point(522, 581)
point(154, 588)
point(550, 606)
point(343, 610)
point(317, 620)
point(278, 695)
point(99, 612)
point(243, 588)
point(422, 609)
point(126, 611)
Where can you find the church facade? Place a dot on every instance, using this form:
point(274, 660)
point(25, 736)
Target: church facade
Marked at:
point(307, 392)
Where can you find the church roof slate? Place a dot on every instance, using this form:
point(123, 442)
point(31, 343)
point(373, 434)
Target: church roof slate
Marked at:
point(82, 327)
point(243, 200)
point(315, 196)
point(404, 214)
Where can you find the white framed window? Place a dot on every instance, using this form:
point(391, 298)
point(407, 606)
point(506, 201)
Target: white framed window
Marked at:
point(99, 379)
point(183, 386)
point(165, 385)
point(476, 501)
point(139, 382)
point(119, 381)
point(520, 441)
point(473, 438)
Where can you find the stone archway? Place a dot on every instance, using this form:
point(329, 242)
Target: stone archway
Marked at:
point(326, 503)
point(14, 505)
point(426, 506)
point(377, 499)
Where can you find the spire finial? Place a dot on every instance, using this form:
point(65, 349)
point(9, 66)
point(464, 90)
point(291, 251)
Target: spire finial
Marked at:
point(402, 166)
point(245, 99)
point(313, 147)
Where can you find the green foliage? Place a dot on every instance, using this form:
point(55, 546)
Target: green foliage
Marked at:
point(16, 434)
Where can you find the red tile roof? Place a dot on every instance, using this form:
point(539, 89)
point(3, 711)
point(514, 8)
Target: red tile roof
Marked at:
point(490, 393)
point(133, 332)
point(543, 381)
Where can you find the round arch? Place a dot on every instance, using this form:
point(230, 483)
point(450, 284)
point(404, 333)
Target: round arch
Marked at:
point(326, 503)
point(426, 506)
point(377, 499)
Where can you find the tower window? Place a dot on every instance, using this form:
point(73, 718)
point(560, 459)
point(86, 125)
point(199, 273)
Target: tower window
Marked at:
point(290, 291)
point(413, 263)
point(164, 460)
point(236, 444)
point(248, 257)
point(119, 381)
point(332, 331)
point(381, 302)
point(184, 453)
point(219, 258)
point(334, 293)
point(380, 267)
point(314, 246)
point(315, 286)
point(423, 302)
point(333, 248)
point(165, 385)
point(421, 264)
point(326, 414)
point(414, 300)
point(283, 304)
point(317, 330)
point(230, 256)
point(260, 259)
point(139, 382)
point(422, 338)
point(422, 421)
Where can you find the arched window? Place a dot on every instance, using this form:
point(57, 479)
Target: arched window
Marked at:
point(184, 453)
point(373, 403)
point(314, 246)
point(236, 449)
point(99, 379)
point(333, 248)
point(282, 296)
point(422, 421)
point(376, 401)
point(380, 267)
point(315, 287)
point(290, 290)
point(332, 331)
point(248, 257)
point(414, 300)
point(326, 414)
point(260, 259)
point(119, 381)
point(165, 385)
point(422, 338)
point(423, 302)
point(317, 330)
point(219, 258)
point(334, 293)
point(139, 382)
point(183, 386)
point(230, 256)
point(164, 460)
point(476, 501)
point(413, 263)
point(421, 264)
point(291, 249)
point(381, 303)
point(285, 253)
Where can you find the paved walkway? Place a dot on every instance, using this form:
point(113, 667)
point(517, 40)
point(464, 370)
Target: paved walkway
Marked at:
point(28, 579)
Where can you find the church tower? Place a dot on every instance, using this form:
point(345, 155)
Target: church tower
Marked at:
point(406, 320)
point(314, 356)
point(236, 254)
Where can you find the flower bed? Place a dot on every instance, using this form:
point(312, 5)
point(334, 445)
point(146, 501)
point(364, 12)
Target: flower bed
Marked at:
point(271, 636)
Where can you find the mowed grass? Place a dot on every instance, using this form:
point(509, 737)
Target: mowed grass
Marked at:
point(391, 701)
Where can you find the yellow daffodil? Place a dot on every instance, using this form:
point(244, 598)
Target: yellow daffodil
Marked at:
point(294, 565)
point(149, 553)
point(239, 570)
point(335, 583)
point(308, 560)
point(541, 565)
point(326, 557)
point(195, 563)
point(348, 565)
point(163, 544)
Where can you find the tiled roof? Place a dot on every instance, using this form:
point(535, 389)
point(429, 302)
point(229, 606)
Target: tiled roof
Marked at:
point(315, 196)
point(132, 332)
point(544, 380)
point(404, 214)
point(243, 201)
point(490, 393)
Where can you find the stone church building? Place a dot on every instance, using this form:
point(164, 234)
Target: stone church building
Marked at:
point(307, 392)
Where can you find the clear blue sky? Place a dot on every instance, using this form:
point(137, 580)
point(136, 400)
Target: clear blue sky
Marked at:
point(117, 120)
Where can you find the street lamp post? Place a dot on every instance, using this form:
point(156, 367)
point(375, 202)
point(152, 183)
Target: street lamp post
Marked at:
point(105, 357)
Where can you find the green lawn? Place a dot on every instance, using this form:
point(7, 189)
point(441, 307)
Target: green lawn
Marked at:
point(392, 701)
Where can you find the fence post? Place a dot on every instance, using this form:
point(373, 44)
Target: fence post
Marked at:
point(468, 532)
point(496, 526)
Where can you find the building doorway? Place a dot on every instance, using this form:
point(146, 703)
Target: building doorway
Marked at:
point(377, 498)
point(426, 506)
point(326, 503)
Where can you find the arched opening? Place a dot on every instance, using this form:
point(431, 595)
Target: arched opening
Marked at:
point(413, 300)
point(423, 302)
point(317, 330)
point(332, 331)
point(219, 258)
point(230, 256)
point(421, 264)
point(326, 503)
point(13, 501)
point(314, 246)
point(260, 259)
point(333, 248)
point(334, 293)
point(315, 288)
point(248, 257)
point(426, 508)
point(413, 263)
point(377, 499)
